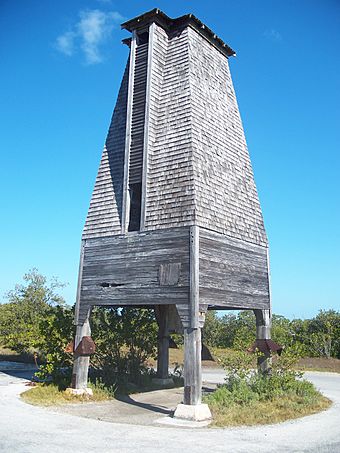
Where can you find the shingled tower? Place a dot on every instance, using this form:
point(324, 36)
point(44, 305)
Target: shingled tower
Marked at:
point(174, 221)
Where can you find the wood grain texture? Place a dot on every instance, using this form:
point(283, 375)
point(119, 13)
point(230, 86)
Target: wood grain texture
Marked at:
point(233, 273)
point(182, 125)
point(129, 106)
point(136, 151)
point(192, 371)
point(124, 269)
point(81, 363)
point(194, 277)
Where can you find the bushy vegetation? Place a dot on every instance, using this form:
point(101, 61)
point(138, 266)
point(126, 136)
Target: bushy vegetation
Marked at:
point(28, 304)
point(248, 397)
point(316, 337)
point(36, 319)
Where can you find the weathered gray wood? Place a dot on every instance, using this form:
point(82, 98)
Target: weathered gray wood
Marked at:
point(263, 332)
point(143, 268)
point(137, 131)
point(192, 366)
point(105, 210)
point(146, 125)
point(126, 199)
point(169, 274)
point(80, 274)
point(177, 132)
point(194, 276)
point(232, 272)
point(162, 315)
point(81, 363)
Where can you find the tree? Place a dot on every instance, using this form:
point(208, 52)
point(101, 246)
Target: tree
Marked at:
point(324, 334)
point(27, 305)
point(125, 338)
point(213, 330)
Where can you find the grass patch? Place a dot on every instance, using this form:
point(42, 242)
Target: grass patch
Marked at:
point(266, 412)
point(50, 395)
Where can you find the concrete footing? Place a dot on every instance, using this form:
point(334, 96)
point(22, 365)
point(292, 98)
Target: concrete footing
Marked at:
point(197, 412)
point(79, 392)
point(163, 382)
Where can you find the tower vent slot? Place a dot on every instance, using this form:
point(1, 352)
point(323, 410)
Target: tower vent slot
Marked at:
point(138, 114)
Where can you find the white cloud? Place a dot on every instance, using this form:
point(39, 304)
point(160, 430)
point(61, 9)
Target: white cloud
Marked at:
point(88, 34)
point(272, 34)
point(65, 43)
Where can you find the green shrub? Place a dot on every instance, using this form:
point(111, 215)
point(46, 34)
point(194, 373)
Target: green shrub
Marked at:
point(245, 387)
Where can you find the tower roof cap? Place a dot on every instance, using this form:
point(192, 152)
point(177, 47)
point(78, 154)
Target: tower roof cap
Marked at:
point(171, 25)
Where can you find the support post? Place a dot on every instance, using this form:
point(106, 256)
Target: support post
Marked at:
point(192, 366)
point(162, 376)
point(263, 332)
point(81, 362)
point(193, 409)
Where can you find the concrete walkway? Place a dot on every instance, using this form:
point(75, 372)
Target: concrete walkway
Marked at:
point(25, 428)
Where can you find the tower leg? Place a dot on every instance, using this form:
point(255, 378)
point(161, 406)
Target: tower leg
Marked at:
point(263, 332)
point(193, 320)
point(192, 366)
point(192, 407)
point(162, 376)
point(163, 343)
point(80, 362)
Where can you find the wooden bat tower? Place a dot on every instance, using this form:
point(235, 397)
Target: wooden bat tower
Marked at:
point(174, 221)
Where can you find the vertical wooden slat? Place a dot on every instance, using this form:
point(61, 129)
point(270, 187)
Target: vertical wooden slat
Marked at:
point(146, 125)
point(126, 201)
point(138, 114)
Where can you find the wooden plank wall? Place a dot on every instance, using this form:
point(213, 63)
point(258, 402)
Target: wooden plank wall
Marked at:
point(129, 269)
point(232, 273)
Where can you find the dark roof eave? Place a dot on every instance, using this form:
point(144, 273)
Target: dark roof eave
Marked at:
point(171, 25)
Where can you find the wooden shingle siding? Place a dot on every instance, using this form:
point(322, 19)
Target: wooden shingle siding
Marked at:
point(232, 273)
point(170, 190)
point(226, 198)
point(198, 167)
point(138, 115)
point(105, 211)
point(197, 173)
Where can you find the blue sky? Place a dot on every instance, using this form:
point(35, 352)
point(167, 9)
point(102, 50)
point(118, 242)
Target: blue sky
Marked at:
point(61, 65)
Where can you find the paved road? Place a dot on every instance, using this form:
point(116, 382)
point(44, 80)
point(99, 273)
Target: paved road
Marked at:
point(26, 429)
